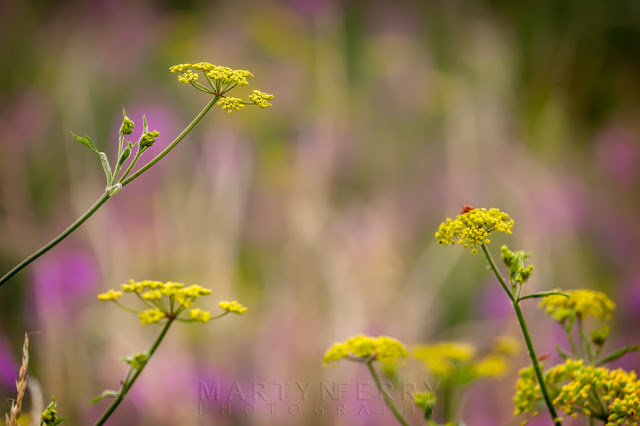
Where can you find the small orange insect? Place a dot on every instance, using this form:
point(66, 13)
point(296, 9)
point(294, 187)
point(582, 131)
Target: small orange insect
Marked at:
point(543, 357)
point(467, 209)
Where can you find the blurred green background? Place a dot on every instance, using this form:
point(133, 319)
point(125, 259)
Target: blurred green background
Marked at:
point(319, 213)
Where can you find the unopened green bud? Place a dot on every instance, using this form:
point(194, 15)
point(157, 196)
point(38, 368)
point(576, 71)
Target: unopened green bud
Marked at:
point(523, 274)
point(137, 361)
point(125, 155)
point(148, 139)
point(507, 256)
point(127, 124)
point(598, 337)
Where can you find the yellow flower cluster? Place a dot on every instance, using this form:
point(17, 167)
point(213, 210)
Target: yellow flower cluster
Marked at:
point(386, 349)
point(457, 362)
point(168, 300)
point(150, 316)
point(188, 77)
point(221, 80)
point(110, 295)
point(580, 303)
point(261, 99)
point(200, 315)
point(229, 104)
point(473, 228)
point(233, 307)
point(581, 389)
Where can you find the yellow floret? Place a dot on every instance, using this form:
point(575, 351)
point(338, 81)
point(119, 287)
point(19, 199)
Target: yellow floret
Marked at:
point(233, 307)
point(229, 104)
point(150, 316)
point(581, 303)
point(261, 99)
point(472, 228)
point(110, 295)
point(382, 348)
point(200, 315)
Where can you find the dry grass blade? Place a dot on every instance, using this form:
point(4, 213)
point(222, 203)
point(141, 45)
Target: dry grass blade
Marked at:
point(21, 385)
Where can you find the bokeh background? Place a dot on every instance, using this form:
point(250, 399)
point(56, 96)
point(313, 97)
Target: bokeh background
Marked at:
point(319, 213)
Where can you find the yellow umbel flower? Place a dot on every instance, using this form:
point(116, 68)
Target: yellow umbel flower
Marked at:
point(200, 315)
point(457, 363)
point(229, 104)
point(386, 349)
point(443, 358)
point(180, 68)
point(150, 316)
point(218, 80)
point(188, 77)
point(169, 301)
point(110, 295)
point(261, 99)
point(580, 303)
point(473, 227)
point(233, 307)
point(582, 389)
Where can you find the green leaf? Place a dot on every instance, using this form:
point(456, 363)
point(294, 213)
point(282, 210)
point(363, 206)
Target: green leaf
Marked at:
point(544, 294)
point(85, 141)
point(617, 355)
point(145, 128)
point(105, 394)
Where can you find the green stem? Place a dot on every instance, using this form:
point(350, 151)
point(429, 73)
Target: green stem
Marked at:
point(133, 163)
point(86, 215)
point(103, 199)
point(527, 339)
point(386, 397)
point(494, 268)
point(447, 403)
point(128, 384)
point(584, 342)
point(174, 143)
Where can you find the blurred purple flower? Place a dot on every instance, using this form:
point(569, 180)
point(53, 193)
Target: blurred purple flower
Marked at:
point(562, 208)
point(62, 281)
point(25, 122)
point(8, 366)
point(494, 303)
point(617, 152)
point(629, 295)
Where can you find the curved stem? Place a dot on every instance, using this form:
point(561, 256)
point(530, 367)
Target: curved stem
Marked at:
point(103, 199)
point(494, 268)
point(172, 144)
point(386, 397)
point(86, 215)
point(527, 339)
point(129, 383)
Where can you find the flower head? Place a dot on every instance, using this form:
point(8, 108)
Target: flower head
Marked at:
point(151, 315)
point(472, 228)
point(454, 362)
point(580, 303)
point(220, 80)
point(261, 99)
point(382, 348)
point(577, 388)
point(200, 315)
point(233, 307)
point(110, 295)
point(230, 104)
point(169, 301)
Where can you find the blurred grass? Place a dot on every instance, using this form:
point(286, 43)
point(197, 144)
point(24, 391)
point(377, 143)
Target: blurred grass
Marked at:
point(319, 213)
